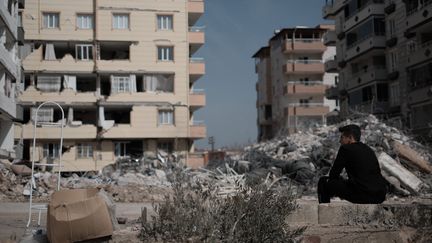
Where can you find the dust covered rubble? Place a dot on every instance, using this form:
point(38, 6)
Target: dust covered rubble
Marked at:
point(306, 156)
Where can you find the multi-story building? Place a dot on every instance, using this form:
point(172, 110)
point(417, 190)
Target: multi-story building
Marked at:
point(123, 71)
point(11, 35)
point(383, 58)
point(292, 81)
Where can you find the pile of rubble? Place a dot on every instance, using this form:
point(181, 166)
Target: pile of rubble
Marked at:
point(298, 160)
point(305, 156)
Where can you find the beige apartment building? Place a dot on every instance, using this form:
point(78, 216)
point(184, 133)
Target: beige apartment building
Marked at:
point(292, 81)
point(384, 59)
point(11, 36)
point(124, 73)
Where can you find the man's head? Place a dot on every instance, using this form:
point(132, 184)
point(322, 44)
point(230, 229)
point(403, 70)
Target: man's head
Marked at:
point(350, 134)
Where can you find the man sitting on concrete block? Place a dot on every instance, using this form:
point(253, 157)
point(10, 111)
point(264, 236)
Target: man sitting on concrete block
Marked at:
point(365, 183)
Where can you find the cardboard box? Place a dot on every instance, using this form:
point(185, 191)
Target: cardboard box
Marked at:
point(77, 215)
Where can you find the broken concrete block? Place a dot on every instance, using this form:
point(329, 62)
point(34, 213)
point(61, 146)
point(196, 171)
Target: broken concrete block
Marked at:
point(412, 156)
point(392, 167)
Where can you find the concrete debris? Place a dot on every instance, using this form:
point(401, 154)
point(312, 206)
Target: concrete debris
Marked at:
point(298, 160)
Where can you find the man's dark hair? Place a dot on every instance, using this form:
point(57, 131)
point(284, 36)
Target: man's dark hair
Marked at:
point(352, 130)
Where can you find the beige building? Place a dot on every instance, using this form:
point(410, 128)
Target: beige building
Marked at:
point(384, 59)
point(123, 72)
point(11, 36)
point(292, 81)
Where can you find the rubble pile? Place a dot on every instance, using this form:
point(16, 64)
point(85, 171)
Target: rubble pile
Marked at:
point(305, 156)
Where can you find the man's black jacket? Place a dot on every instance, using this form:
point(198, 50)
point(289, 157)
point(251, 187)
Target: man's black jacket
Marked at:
point(361, 165)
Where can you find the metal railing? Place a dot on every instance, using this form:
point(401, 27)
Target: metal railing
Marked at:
point(306, 82)
point(370, 2)
point(309, 61)
point(197, 91)
point(196, 60)
point(197, 123)
point(306, 105)
point(197, 28)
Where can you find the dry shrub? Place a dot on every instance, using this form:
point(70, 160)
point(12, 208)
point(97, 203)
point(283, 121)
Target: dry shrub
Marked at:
point(195, 213)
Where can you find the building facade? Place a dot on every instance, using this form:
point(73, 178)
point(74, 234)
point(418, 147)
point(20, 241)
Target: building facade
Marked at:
point(384, 59)
point(292, 81)
point(11, 36)
point(123, 73)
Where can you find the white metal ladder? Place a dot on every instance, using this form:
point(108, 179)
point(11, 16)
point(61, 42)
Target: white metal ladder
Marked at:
point(41, 207)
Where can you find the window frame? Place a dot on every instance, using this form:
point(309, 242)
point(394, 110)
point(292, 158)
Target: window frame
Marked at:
point(80, 48)
point(164, 22)
point(117, 27)
point(165, 53)
point(48, 25)
point(84, 151)
point(78, 21)
point(164, 117)
point(54, 153)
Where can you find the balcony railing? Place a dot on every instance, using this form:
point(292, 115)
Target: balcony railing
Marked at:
point(311, 61)
point(305, 104)
point(306, 82)
point(414, 10)
point(196, 60)
point(197, 28)
point(368, 3)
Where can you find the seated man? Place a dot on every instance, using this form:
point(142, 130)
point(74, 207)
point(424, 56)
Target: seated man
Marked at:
point(365, 183)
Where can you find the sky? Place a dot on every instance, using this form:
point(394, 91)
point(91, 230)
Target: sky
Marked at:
point(235, 30)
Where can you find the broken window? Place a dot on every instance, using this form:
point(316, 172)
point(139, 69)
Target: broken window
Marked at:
point(85, 116)
point(119, 116)
point(166, 146)
point(166, 117)
point(84, 151)
point(85, 84)
point(382, 92)
point(158, 83)
point(51, 20)
point(367, 94)
point(120, 149)
point(84, 52)
point(114, 51)
point(51, 150)
point(48, 83)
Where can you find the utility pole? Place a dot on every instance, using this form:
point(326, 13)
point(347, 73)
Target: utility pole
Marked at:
point(211, 141)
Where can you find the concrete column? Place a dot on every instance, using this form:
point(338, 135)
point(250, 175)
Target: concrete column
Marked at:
point(98, 85)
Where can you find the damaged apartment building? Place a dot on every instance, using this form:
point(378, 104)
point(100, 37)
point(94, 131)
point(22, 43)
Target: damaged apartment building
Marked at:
point(384, 59)
point(292, 81)
point(123, 72)
point(11, 37)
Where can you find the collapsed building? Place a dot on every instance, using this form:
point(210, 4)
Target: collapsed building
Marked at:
point(125, 77)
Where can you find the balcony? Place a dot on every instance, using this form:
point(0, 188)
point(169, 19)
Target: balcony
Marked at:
point(363, 77)
point(304, 67)
point(196, 68)
point(197, 131)
point(7, 62)
point(419, 15)
point(310, 109)
point(9, 21)
point(305, 88)
point(196, 38)
point(197, 99)
point(373, 8)
point(330, 66)
point(53, 132)
point(330, 38)
point(421, 53)
point(116, 65)
point(331, 8)
point(195, 9)
point(332, 93)
point(35, 62)
point(68, 96)
point(7, 106)
point(364, 45)
point(303, 46)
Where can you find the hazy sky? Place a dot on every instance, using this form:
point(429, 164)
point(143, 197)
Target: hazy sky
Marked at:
point(235, 30)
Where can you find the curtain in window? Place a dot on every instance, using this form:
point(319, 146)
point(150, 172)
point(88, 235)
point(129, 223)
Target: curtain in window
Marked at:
point(132, 81)
point(49, 83)
point(150, 83)
point(69, 82)
point(49, 52)
point(44, 114)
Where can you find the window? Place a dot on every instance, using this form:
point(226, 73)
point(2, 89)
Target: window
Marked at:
point(120, 149)
point(166, 146)
point(304, 102)
point(120, 21)
point(121, 84)
point(165, 53)
point(166, 117)
point(393, 60)
point(165, 22)
point(392, 27)
point(84, 21)
point(382, 92)
point(51, 20)
point(45, 114)
point(84, 52)
point(394, 94)
point(84, 151)
point(158, 83)
point(51, 150)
